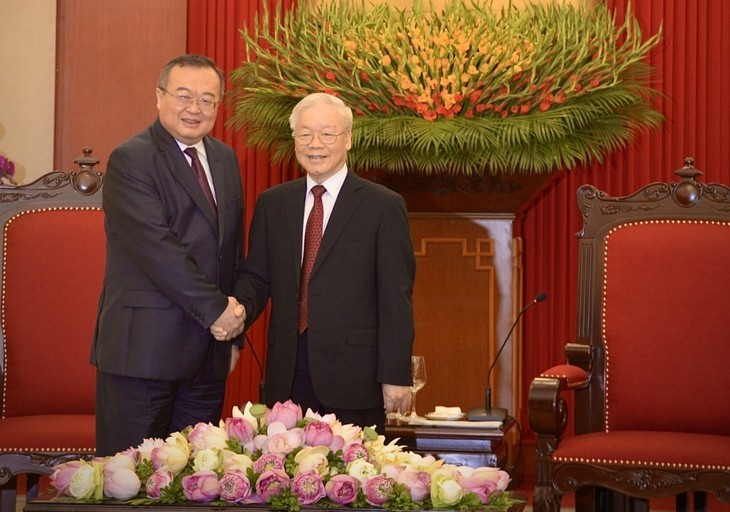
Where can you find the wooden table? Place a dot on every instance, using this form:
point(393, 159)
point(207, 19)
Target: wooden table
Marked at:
point(474, 447)
point(45, 503)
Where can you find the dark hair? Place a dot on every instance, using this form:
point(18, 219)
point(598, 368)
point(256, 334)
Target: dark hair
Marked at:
point(192, 60)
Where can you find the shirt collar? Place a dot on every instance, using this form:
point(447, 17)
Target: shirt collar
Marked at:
point(333, 184)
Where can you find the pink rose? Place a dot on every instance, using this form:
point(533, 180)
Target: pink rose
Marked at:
point(418, 483)
point(308, 487)
point(318, 433)
point(62, 473)
point(157, 481)
point(234, 487)
point(201, 486)
point(342, 489)
point(239, 429)
point(287, 413)
point(271, 483)
point(378, 490)
point(268, 461)
point(354, 451)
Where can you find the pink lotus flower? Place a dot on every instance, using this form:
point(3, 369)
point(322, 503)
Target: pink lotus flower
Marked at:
point(157, 481)
point(206, 435)
point(61, 477)
point(285, 442)
point(239, 429)
point(201, 486)
point(378, 490)
point(418, 483)
point(120, 479)
point(271, 482)
point(234, 487)
point(483, 481)
point(287, 413)
point(354, 451)
point(308, 487)
point(268, 461)
point(318, 433)
point(342, 489)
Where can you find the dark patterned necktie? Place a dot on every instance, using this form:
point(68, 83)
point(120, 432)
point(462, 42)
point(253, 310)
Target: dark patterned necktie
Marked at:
point(312, 239)
point(201, 178)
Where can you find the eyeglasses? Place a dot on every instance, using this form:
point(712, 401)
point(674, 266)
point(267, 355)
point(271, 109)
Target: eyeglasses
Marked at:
point(326, 138)
point(185, 100)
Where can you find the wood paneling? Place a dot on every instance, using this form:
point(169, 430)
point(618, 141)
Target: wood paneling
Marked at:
point(463, 307)
point(110, 55)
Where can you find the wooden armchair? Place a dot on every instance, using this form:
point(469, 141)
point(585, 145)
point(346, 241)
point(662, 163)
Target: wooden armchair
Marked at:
point(52, 256)
point(650, 365)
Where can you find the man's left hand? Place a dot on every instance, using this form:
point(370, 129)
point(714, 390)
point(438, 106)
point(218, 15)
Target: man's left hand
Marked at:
point(396, 398)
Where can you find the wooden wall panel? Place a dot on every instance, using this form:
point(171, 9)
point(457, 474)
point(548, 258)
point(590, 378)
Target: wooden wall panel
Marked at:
point(463, 306)
point(109, 58)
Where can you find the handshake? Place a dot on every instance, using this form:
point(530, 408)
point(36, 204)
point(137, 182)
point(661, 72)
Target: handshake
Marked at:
point(231, 322)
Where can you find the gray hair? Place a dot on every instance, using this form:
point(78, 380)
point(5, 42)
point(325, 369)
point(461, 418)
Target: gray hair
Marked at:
point(319, 98)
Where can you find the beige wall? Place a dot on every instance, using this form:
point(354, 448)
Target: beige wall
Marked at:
point(27, 85)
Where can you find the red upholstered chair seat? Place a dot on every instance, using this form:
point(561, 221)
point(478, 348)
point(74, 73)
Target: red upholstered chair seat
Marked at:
point(648, 448)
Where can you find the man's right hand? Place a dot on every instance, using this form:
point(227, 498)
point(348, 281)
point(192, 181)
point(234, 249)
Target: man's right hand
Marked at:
point(231, 322)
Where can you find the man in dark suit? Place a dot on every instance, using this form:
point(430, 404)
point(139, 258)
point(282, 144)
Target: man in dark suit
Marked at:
point(351, 354)
point(174, 254)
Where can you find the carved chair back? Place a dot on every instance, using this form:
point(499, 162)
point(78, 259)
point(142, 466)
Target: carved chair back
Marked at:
point(52, 255)
point(653, 308)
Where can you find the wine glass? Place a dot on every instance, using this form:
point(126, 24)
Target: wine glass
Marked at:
point(418, 373)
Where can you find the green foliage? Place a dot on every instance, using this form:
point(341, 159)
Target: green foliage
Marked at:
point(467, 90)
point(285, 500)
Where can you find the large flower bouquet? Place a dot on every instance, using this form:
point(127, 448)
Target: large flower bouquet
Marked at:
point(468, 89)
point(285, 459)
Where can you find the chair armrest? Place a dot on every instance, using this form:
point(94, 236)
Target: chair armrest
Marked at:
point(548, 413)
point(580, 354)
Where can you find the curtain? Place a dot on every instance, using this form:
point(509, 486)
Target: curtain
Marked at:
point(213, 30)
point(692, 71)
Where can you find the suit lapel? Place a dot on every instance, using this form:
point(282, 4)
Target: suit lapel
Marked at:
point(294, 211)
point(180, 169)
point(220, 184)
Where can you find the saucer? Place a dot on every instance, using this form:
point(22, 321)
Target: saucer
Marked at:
point(445, 417)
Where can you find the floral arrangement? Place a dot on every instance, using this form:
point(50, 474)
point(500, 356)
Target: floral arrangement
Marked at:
point(466, 90)
point(7, 170)
point(285, 459)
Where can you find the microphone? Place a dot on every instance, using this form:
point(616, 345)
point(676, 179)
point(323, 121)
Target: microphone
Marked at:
point(262, 385)
point(488, 413)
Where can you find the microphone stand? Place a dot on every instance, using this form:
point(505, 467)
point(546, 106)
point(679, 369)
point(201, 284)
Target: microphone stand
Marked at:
point(262, 385)
point(489, 413)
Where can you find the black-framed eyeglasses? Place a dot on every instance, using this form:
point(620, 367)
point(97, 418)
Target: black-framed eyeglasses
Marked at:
point(326, 138)
point(185, 100)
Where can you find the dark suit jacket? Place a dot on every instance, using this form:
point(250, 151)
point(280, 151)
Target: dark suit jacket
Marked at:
point(360, 292)
point(170, 266)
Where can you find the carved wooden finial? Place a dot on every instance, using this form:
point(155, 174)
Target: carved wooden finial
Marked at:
point(85, 180)
point(688, 191)
point(86, 161)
